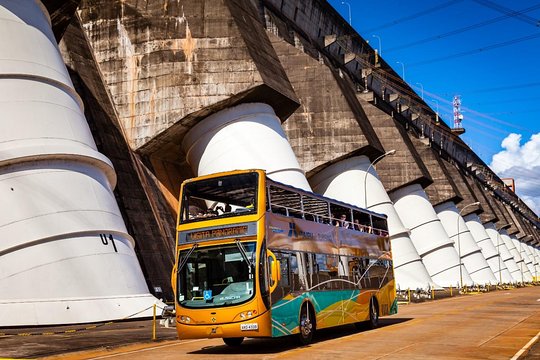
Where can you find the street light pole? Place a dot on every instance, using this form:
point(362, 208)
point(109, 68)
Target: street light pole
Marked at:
point(521, 264)
point(499, 253)
point(349, 6)
point(390, 152)
point(380, 43)
point(459, 243)
point(402, 68)
point(422, 87)
point(437, 113)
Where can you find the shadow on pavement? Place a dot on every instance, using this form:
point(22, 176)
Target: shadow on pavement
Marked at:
point(278, 345)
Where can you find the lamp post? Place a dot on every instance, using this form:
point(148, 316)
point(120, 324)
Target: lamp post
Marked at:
point(421, 87)
point(349, 6)
point(380, 43)
point(390, 152)
point(522, 262)
point(437, 112)
point(459, 242)
point(499, 253)
point(402, 68)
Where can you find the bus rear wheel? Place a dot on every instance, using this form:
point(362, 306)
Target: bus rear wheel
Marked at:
point(373, 321)
point(307, 325)
point(373, 314)
point(235, 341)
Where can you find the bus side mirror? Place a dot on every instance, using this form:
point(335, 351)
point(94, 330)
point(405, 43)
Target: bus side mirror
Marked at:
point(173, 279)
point(275, 274)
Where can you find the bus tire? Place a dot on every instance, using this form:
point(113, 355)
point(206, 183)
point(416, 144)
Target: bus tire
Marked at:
point(373, 321)
point(306, 325)
point(234, 341)
point(373, 313)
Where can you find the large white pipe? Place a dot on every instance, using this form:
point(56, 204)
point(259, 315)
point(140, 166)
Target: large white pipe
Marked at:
point(349, 182)
point(65, 255)
point(247, 136)
point(467, 248)
point(536, 256)
point(429, 237)
point(507, 257)
point(535, 264)
point(522, 273)
point(523, 251)
point(491, 254)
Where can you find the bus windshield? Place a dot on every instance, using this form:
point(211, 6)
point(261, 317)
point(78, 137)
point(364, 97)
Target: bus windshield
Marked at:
point(223, 196)
point(215, 276)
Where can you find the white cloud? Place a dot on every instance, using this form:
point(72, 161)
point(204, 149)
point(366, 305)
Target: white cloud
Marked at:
point(522, 163)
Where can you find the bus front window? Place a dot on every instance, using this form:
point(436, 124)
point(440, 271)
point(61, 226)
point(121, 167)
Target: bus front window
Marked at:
point(216, 276)
point(223, 196)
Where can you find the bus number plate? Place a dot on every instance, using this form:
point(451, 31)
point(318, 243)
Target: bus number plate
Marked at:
point(247, 327)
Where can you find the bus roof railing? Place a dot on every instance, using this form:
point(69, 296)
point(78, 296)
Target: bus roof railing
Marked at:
point(323, 198)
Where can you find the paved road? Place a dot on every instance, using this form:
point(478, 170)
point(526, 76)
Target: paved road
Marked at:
point(495, 325)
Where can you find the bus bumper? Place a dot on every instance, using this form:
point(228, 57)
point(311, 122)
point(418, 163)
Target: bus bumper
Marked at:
point(236, 329)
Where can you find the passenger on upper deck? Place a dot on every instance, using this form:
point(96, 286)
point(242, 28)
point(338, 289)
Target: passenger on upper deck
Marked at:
point(343, 222)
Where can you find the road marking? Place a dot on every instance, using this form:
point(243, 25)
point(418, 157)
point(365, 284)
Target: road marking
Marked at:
point(526, 347)
point(145, 349)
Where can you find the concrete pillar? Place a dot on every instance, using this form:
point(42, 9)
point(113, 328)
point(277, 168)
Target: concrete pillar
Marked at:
point(470, 252)
point(491, 254)
point(429, 237)
point(66, 256)
point(247, 136)
point(348, 181)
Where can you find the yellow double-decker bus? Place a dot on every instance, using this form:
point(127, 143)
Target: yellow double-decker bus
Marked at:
point(257, 258)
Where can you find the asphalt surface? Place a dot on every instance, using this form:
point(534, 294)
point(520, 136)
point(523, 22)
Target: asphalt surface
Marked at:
point(495, 325)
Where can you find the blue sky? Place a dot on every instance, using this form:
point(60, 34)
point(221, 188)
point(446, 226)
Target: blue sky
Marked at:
point(486, 51)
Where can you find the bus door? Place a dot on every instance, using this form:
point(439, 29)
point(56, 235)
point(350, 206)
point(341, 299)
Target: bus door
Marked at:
point(284, 285)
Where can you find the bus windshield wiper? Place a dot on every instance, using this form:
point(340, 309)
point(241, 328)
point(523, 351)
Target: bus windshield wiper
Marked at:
point(185, 259)
point(243, 252)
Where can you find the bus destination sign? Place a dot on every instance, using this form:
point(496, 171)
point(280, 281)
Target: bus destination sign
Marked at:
point(218, 233)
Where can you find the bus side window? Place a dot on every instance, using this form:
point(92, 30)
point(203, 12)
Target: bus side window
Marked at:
point(295, 283)
point(269, 271)
point(285, 279)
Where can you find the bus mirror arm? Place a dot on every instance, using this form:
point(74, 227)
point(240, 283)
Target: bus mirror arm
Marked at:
point(173, 279)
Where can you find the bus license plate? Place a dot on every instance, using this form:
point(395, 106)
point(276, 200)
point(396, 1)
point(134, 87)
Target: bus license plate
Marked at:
point(247, 327)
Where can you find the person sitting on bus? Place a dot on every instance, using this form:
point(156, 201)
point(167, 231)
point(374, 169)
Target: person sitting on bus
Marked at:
point(343, 222)
point(356, 225)
point(220, 208)
point(334, 221)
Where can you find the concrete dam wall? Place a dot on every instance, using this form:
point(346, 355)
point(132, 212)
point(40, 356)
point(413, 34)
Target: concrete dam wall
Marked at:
point(161, 91)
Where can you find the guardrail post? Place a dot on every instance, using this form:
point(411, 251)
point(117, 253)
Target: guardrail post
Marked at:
point(154, 323)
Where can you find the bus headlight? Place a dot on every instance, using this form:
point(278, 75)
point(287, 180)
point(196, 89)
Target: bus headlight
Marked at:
point(247, 314)
point(185, 319)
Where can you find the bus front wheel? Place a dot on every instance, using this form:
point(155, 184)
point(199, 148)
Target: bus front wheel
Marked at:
point(307, 325)
point(236, 341)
